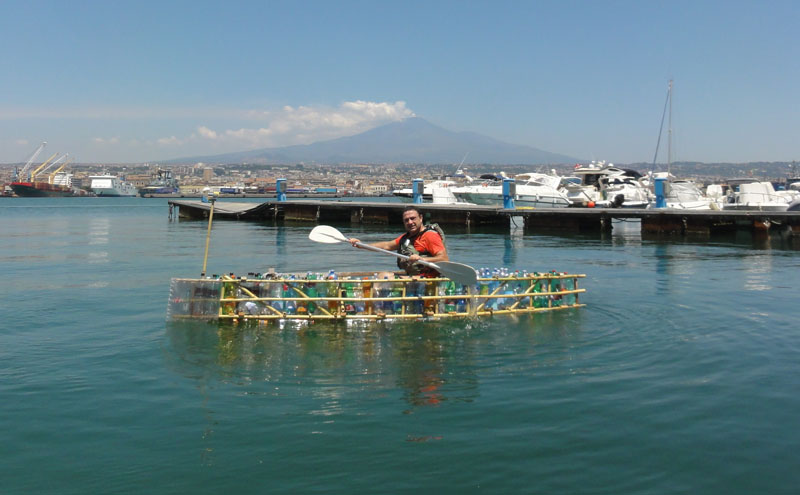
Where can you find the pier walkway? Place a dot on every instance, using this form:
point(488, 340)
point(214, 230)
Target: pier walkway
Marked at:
point(681, 222)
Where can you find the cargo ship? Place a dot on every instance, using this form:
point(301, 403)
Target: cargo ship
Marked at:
point(58, 184)
point(60, 187)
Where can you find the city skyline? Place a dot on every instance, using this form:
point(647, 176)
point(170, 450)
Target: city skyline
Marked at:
point(148, 81)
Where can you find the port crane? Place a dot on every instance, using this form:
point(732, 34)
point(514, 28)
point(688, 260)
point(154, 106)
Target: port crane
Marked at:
point(44, 166)
point(21, 172)
point(56, 171)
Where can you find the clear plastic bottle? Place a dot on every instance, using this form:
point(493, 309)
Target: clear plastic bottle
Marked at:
point(382, 289)
point(359, 294)
point(276, 290)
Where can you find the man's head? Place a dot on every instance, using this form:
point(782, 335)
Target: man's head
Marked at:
point(412, 220)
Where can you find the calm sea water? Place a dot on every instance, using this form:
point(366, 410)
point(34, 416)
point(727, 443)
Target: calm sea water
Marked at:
point(680, 375)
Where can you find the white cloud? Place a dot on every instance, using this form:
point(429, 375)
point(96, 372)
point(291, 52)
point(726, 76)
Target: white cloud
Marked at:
point(305, 124)
point(169, 141)
point(206, 132)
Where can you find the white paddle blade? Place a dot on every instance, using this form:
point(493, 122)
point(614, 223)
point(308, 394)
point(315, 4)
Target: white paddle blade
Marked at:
point(458, 272)
point(326, 235)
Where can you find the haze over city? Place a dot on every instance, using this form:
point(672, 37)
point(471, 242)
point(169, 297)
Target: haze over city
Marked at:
point(148, 81)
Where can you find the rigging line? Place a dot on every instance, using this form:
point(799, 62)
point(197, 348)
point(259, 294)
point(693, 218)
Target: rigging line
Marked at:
point(661, 128)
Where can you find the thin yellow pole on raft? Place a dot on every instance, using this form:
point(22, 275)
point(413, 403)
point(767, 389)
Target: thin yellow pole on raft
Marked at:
point(208, 234)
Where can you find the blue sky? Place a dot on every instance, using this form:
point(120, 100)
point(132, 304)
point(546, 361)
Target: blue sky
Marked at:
point(146, 81)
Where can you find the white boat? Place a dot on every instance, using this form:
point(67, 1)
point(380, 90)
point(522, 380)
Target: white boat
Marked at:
point(428, 190)
point(437, 191)
point(533, 190)
point(758, 196)
point(111, 185)
point(604, 185)
point(684, 194)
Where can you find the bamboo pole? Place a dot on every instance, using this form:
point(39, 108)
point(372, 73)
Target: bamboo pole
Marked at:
point(208, 234)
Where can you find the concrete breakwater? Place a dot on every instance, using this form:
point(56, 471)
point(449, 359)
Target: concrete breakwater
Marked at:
point(663, 221)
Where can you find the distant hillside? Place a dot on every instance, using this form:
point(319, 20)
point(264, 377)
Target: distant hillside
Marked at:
point(413, 140)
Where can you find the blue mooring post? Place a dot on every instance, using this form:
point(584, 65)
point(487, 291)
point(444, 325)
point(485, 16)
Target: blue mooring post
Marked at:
point(280, 189)
point(509, 191)
point(658, 187)
point(417, 188)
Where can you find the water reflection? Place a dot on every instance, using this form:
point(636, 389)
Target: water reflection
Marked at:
point(431, 363)
point(280, 242)
point(513, 243)
point(758, 272)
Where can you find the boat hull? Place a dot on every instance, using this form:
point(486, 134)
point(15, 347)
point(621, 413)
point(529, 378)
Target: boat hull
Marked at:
point(756, 207)
point(41, 189)
point(161, 191)
point(495, 198)
point(361, 296)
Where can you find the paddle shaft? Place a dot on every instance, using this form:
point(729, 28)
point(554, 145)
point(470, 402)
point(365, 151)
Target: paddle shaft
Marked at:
point(401, 256)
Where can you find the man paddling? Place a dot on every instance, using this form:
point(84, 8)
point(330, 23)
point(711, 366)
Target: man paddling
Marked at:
point(418, 243)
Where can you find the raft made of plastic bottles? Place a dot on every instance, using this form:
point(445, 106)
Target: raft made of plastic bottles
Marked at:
point(369, 296)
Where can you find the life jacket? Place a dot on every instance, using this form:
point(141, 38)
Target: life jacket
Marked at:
point(406, 248)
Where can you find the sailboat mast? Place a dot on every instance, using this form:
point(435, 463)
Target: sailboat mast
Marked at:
point(669, 129)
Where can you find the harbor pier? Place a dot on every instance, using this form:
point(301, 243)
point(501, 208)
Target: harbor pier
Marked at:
point(653, 221)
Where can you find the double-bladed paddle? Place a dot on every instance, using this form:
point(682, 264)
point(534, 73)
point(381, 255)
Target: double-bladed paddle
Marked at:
point(459, 272)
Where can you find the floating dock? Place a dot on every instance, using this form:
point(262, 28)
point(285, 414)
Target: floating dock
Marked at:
point(654, 221)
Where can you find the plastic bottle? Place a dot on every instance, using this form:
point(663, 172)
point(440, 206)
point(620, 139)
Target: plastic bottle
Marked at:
point(450, 304)
point(347, 292)
point(508, 301)
point(429, 290)
point(312, 292)
point(396, 306)
point(415, 289)
point(332, 290)
point(520, 288)
point(383, 290)
point(276, 290)
point(537, 287)
point(493, 286)
point(555, 285)
point(290, 306)
point(358, 294)
point(484, 291)
point(368, 292)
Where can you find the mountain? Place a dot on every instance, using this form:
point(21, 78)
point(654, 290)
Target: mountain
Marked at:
point(413, 140)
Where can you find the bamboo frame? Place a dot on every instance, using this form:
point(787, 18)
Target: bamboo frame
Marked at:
point(228, 295)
